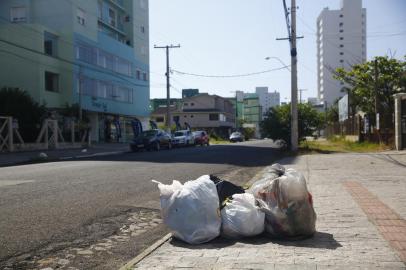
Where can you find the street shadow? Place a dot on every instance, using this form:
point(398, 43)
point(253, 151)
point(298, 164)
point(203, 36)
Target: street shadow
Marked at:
point(319, 240)
point(232, 154)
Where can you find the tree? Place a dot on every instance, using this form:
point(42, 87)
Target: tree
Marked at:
point(20, 105)
point(332, 113)
point(276, 124)
point(361, 84)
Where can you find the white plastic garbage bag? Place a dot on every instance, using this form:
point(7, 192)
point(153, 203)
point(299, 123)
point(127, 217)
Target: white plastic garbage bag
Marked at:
point(288, 206)
point(191, 210)
point(241, 217)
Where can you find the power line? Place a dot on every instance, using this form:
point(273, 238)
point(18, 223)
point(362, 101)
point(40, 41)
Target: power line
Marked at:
point(228, 76)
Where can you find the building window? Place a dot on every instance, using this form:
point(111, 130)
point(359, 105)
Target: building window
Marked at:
point(138, 75)
point(341, 53)
point(341, 38)
point(81, 16)
point(50, 42)
point(341, 15)
point(192, 104)
point(341, 30)
point(112, 17)
point(144, 76)
point(341, 45)
point(142, 29)
point(213, 117)
point(191, 116)
point(341, 61)
point(51, 81)
point(159, 119)
point(341, 24)
point(18, 14)
point(104, 89)
point(185, 104)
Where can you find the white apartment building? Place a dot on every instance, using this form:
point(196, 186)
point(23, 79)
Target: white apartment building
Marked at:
point(267, 100)
point(341, 42)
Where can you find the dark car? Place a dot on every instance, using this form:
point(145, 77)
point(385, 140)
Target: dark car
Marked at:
point(153, 139)
point(201, 137)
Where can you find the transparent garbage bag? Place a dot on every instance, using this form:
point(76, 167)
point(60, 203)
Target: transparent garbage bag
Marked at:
point(191, 211)
point(288, 206)
point(241, 217)
point(271, 173)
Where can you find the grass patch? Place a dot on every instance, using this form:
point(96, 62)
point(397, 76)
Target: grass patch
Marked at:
point(339, 145)
point(218, 141)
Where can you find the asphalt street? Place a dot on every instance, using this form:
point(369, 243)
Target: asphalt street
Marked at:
point(97, 213)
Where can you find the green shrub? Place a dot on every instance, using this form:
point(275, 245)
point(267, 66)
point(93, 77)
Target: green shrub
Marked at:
point(21, 106)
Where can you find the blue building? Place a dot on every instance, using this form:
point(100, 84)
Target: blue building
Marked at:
point(92, 53)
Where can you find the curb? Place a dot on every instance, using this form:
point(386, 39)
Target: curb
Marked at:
point(146, 252)
point(47, 160)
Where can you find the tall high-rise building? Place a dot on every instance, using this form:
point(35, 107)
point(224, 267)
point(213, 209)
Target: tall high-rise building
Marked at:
point(266, 99)
point(91, 53)
point(341, 42)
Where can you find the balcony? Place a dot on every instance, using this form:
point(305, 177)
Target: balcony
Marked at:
point(118, 4)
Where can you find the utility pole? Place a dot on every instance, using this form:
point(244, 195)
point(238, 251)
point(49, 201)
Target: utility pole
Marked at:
point(300, 95)
point(168, 86)
point(377, 116)
point(294, 137)
point(293, 53)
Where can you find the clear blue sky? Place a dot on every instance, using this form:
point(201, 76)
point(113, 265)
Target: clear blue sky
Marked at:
point(225, 37)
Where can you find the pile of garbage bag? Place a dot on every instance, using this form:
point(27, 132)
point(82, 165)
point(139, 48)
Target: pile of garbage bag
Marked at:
point(203, 209)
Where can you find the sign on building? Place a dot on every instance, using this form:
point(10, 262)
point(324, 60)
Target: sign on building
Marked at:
point(343, 108)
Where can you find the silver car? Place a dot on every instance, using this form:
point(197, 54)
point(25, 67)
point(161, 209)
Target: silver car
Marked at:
point(183, 137)
point(236, 137)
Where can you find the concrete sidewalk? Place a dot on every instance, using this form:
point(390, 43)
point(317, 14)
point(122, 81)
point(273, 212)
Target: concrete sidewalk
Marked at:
point(360, 200)
point(16, 158)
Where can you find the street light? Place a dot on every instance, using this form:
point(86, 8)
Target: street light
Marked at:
point(279, 60)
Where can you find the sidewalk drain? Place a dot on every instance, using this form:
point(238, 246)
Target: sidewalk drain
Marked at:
point(391, 226)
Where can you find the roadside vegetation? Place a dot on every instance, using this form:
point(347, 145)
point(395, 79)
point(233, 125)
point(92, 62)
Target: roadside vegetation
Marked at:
point(276, 124)
point(339, 145)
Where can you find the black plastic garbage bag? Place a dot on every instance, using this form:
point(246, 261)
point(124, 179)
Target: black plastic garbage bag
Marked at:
point(225, 189)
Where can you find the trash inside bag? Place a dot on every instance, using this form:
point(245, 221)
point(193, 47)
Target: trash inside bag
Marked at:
point(241, 217)
point(270, 174)
point(191, 211)
point(225, 189)
point(288, 206)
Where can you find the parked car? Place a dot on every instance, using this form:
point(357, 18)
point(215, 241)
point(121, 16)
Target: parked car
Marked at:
point(281, 144)
point(236, 137)
point(201, 137)
point(153, 139)
point(183, 137)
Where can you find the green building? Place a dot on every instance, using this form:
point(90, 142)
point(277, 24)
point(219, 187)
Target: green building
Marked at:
point(248, 111)
point(155, 103)
point(91, 53)
point(239, 110)
point(186, 93)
